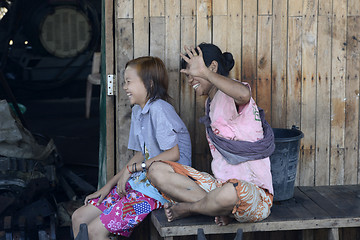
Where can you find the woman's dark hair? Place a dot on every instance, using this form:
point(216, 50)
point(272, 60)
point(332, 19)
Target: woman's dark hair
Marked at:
point(211, 53)
point(152, 72)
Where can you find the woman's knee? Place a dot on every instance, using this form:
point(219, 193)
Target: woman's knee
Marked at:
point(156, 172)
point(227, 197)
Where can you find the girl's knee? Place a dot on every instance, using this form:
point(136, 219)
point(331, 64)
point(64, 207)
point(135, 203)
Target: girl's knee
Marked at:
point(75, 217)
point(96, 230)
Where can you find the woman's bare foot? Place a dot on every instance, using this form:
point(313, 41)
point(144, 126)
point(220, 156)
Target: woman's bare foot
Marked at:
point(176, 211)
point(222, 220)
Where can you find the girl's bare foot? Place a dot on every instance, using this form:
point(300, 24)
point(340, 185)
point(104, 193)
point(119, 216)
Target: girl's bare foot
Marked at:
point(176, 211)
point(222, 220)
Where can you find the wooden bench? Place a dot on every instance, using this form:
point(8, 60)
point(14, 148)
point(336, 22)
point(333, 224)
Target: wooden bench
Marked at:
point(321, 207)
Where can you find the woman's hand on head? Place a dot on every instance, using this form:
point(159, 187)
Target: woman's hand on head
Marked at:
point(195, 63)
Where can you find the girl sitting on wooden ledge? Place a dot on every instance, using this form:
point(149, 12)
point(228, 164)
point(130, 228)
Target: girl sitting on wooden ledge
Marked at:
point(156, 133)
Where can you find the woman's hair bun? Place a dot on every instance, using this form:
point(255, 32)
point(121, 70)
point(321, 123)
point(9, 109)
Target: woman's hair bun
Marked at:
point(229, 60)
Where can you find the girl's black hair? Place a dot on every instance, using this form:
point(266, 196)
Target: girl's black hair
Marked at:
point(211, 53)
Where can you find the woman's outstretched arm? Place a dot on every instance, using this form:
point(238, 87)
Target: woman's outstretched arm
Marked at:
point(197, 68)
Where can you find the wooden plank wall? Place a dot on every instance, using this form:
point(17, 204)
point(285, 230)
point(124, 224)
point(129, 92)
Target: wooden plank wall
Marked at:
point(301, 58)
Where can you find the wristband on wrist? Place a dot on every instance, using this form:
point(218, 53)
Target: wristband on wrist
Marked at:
point(127, 167)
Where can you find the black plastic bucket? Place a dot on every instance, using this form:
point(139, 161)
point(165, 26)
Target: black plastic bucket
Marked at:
point(284, 161)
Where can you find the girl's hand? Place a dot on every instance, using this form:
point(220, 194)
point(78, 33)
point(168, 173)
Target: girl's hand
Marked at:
point(101, 194)
point(122, 183)
point(196, 65)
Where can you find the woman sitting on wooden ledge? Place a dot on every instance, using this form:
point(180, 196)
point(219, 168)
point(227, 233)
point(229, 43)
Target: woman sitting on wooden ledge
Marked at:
point(240, 141)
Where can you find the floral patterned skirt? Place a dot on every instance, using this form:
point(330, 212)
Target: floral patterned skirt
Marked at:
point(121, 215)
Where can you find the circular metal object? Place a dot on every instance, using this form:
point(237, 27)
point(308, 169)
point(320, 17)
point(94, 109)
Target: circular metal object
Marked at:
point(65, 32)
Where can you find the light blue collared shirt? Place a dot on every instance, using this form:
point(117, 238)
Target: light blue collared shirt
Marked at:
point(158, 127)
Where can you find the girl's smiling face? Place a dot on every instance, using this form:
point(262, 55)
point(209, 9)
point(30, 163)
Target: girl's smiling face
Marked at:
point(134, 87)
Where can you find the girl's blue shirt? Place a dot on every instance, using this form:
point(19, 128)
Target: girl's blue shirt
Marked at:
point(158, 127)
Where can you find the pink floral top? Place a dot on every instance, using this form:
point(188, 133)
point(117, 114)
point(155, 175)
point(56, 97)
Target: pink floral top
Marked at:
point(238, 124)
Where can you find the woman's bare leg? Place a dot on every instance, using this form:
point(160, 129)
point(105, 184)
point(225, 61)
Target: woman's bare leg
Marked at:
point(176, 186)
point(218, 202)
point(84, 214)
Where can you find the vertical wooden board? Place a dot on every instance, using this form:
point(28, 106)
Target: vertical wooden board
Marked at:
point(220, 7)
point(279, 56)
point(234, 27)
point(249, 44)
point(323, 63)
point(157, 37)
point(338, 92)
point(172, 49)
point(308, 111)
point(187, 94)
point(265, 7)
point(294, 72)
point(353, 8)
point(124, 53)
point(264, 64)
point(295, 8)
point(141, 28)
point(220, 33)
point(188, 7)
point(220, 24)
point(203, 34)
point(294, 76)
point(352, 101)
point(337, 156)
point(107, 120)
point(325, 7)
point(157, 8)
point(203, 21)
point(124, 8)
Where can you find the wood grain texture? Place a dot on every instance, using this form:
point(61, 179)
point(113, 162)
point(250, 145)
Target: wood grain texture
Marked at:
point(172, 50)
point(308, 108)
point(352, 101)
point(141, 28)
point(234, 28)
point(124, 38)
point(278, 71)
point(338, 92)
point(124, 8)
point(295, 8)
point(306, 49)
point(264, 65)
point(265, 7)
point(322, 157)
point(311, 208)
point(249, 37)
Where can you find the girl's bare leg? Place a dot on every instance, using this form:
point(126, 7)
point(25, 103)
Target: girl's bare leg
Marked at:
point(97, 231)
point(218, 202)
point(176, 186)
point(84, 214)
